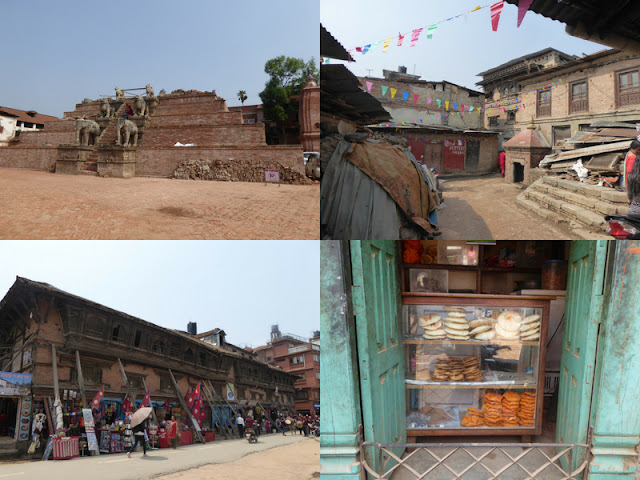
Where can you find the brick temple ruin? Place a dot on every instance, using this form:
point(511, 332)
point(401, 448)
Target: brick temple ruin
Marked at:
point(96, 139)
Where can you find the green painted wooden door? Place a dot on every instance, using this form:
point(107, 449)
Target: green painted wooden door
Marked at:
point(585, 288)
point(377, 309)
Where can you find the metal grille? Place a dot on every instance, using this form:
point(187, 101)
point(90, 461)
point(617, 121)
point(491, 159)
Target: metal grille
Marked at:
point(504, 461)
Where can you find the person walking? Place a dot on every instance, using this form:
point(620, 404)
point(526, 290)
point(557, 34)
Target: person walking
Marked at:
point(138, 436)
point(502, 159)
point(630, 159)
point(633, 189)
point(173, 432)
point(240, 424)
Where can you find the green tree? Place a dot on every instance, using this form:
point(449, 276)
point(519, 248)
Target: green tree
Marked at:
point(287, 76)
point(242, 96)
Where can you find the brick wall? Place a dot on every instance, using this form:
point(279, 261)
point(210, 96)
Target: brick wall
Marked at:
point(201, 103)
point(84, 109)
point(406, 111)
point(218, 118)
point(162, 161)
point(250, 134)
point(31, 158)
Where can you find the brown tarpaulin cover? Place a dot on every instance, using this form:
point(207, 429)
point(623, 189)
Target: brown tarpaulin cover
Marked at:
point(390, 167)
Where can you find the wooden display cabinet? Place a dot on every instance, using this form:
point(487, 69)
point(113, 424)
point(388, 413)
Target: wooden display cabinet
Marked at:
point(436, 407)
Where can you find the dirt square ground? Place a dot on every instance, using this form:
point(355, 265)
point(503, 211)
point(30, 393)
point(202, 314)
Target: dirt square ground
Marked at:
point(39, 205)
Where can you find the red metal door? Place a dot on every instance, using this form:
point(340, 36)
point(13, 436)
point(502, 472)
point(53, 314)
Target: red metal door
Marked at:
point(454, 155)
point(433, 156)
point(417, 148)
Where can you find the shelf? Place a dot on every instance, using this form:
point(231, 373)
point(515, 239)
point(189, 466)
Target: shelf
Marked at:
point(418, 341)
point(474, 385)
point(478, 296)
point(473, 268)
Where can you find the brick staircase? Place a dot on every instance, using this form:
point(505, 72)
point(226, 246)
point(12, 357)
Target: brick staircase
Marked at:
point(110, 134)
point(579, 207)
point(7, 448)
point(90, 167)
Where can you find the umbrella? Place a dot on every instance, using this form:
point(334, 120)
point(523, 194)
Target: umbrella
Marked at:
point(140, 416)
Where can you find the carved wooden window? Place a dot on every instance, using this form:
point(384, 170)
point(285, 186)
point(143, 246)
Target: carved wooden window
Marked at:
point(628, 88)
point(174, 350)
point(544, 103)
point(91, 375)
point(511, 117)
point(137, 338)
point(579, 101)
point(165, 383)
point(94, 326)
point(202, 359)
point(158, 346)
point(135, 381)
point(493, 122)
point(116, 333)
point(188, 355)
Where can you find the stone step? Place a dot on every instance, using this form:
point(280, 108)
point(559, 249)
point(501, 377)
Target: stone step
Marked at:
point(88, 172)
point(597, 205)
point(605, 194)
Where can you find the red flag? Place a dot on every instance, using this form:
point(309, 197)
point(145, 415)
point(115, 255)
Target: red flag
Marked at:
point(400, 38)
point(496, 9)
point(201, 419)
point(126, 404)
point(196, 392)
point(187, 398)
point(96, 401)
point(146, 399)
point(523, 6)
point(166, 406)
point(103, 412)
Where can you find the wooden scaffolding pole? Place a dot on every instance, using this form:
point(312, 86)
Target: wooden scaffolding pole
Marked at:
point(81, 380)
point(153, 412)
point(196, 426)
point(223, 427)
point(54, 362)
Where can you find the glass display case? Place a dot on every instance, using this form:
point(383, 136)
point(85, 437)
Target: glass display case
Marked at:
point(474, 363)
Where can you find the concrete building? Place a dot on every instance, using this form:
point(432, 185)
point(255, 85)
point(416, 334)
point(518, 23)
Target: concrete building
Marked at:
point(300, 356)
point(14, 121)
point(412, 100)
point(564, 94)
point(68, 343)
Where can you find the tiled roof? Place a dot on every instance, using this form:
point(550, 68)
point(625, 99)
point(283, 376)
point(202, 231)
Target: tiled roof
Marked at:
point(29, 116)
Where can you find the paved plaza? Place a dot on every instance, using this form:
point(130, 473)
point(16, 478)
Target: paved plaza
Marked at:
point(40, 205)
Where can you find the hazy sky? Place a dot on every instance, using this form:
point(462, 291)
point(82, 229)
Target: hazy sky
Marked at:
point(56, 53)
point(242, 287)
point(459, 49)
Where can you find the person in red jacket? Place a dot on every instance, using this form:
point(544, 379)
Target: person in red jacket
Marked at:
point(630, 159)
point(172, 432)
point(502, 159)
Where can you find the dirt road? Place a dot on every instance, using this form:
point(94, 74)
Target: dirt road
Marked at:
point(299, 461)
point(484, 208)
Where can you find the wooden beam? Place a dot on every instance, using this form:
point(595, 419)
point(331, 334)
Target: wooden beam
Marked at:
point(125, 380)
point(223, 425)
point(221, 414)
point(80, 380)
point(54, 362)
point(196, 426)
point(153, 412)
point(47, 409)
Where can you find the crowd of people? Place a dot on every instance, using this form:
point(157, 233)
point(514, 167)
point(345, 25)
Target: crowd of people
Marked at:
point(303, 424)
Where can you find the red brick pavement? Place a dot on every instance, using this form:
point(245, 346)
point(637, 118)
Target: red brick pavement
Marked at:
point(39, 205)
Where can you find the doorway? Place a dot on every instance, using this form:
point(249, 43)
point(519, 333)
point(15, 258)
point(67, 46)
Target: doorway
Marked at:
point(518, 172)
point(472, 159)
point(8, 416)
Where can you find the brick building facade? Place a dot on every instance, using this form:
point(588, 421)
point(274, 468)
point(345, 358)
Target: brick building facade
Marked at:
point(37, 319)
point(565, 96)
point(301, 357)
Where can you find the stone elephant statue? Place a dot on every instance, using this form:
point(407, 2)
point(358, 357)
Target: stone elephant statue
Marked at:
point(127, 133)
point(139, 106)
point(86, 131)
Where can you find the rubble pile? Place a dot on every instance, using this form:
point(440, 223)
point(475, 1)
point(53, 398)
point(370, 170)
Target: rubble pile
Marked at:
point(237, 171)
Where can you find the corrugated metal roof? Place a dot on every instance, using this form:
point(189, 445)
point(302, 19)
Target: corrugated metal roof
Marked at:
point(331, 48)
point(341, 95)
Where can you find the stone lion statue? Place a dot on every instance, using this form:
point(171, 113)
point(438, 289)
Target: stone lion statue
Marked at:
point(127, 131)
point(86, 131)
point(105, 108)
point(139, 106)
point(150, 92)
point(119, 93)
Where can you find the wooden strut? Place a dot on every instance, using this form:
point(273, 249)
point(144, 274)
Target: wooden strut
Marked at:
point(223, 426)
point(54, 362)
point(235, 411)
point(80, 380)
point(153, 412)
point(126, 381)
point(186, 407)
point(223, 412)
point(47, 409)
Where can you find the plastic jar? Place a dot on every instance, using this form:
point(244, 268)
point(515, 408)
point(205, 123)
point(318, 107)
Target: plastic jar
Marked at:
point(554, 275)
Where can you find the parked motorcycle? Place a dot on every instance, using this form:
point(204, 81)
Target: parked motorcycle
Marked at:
point(250, 435)
point(624, 227)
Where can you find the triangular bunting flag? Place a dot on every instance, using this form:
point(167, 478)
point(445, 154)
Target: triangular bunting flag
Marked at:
point(359, 49)
point(415, 98)
point(386, 44)
point(455, 106)
point(430, 30)
point(429, 100)
point(405, 95)
point(523, 6)
point(496, 9)
point(439, 102)
point(384, 90)
point(446, 105)
point(415, 35)
point(393, 92)
point(369, 85)
point(400, 38)
point(366, 49)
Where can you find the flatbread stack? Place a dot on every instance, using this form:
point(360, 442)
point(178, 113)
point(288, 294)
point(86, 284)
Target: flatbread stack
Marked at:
point(510, 409)
point(481, 329)
point(530, 328)
point(474, 418)
point(441, 371)
point(432, 327)
point(527, 409)
point(456, 369)
point(472, 372)
point(508, 325)
point(422, 369)
point(492, 405)
point(455, 324)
